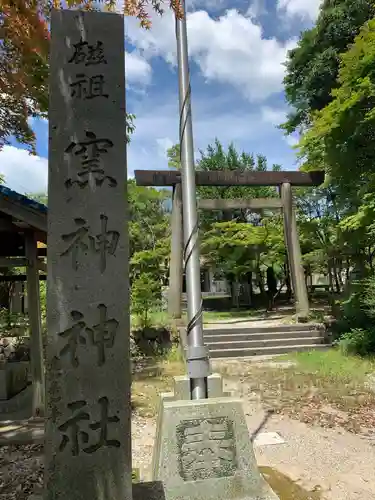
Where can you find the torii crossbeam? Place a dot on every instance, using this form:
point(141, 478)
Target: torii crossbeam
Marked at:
point(230, 178)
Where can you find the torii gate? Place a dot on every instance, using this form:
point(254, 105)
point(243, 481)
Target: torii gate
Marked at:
point(284, 180)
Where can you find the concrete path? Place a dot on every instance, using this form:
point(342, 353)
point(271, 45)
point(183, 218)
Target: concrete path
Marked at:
point(15, 432)
point(337, 463)
point(245, 323)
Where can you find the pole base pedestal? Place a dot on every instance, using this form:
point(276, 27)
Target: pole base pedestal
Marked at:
point(203, 451)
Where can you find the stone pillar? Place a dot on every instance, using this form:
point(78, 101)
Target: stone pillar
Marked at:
point(16, 299)
point(207, 281)
point(88, 438)
point(176, 265)
point(294, 252)
point(36, 341)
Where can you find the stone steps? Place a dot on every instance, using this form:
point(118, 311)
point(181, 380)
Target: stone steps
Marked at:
point(230, 329)
point(255, 344)
point(262, 351)
point(211, 338)
point(238, 342)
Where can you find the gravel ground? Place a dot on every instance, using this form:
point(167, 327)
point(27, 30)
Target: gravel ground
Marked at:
point(336, 462)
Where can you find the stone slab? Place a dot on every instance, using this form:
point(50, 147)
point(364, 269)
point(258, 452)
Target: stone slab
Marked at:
point(88, 441)
point(268, 439)
point(21, 403)
point(153, 490)
point(205, 452)
point(13, 379)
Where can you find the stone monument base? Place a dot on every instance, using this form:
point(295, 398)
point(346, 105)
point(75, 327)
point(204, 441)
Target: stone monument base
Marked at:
point(203, 449)
point(141, 491)
point(13, 379)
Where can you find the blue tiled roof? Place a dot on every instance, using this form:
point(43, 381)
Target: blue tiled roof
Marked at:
point(22, 199)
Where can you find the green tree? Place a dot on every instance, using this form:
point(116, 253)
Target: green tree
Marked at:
point(339, 142)
point(216, 158)
point(341, 134)
point(239, 249)
point(173, 155)
point(145, 296)
point(149, 230)
point(323, 244)
point(312, 67)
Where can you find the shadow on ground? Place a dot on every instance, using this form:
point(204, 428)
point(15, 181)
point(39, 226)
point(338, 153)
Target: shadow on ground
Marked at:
point(285, 488)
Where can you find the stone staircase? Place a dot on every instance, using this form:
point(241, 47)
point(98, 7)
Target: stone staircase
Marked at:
point(227, 341)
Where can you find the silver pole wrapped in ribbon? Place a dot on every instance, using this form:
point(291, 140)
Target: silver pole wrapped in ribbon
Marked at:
point(197, 354)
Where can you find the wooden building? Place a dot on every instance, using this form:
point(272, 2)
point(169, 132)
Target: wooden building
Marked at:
point(23, 228)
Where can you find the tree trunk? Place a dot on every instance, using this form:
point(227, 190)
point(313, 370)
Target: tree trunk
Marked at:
point(260, 282)
point(288, 283)
point(249, 277)
point(347, 271)
point(339, 274)
point(337, 283)
point(235, 294)
point(271, 287)
point(4, 295)
point(330, 276)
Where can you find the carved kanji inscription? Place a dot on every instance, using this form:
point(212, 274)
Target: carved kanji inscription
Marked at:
point(88, 87)
point(90, 153)
point(207, 448)
point(88, 54)
point(77, 432)
point(82, 242)
point(101, 336)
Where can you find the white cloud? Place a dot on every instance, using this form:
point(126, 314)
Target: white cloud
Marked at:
point(212, 5)
point(23, 172)
point(164, 143)
point(229, 49)
point(292, 139)
point(249, 129)
point(274, 116)
point(137, 69)
point(256, 8)
point(304, 9)
point(277, 116)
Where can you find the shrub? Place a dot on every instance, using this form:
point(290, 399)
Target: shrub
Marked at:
point(358, 341)
point(13, 350)
point(145, 296)
point(355, 328)
point(152, 341)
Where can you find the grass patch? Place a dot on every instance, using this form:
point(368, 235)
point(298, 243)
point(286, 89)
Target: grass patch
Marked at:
point(155, 377)
point(162, 318)
point(322, 387)
point(156, 319)
point(333, 366)
point(210, 316)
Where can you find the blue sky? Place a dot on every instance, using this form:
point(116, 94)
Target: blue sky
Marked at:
point(237, 49)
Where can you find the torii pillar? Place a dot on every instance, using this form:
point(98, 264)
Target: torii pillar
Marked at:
point(176, 264)
point(294, 252)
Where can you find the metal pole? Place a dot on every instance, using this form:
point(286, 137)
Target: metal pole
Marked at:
point(175, 262)
point(197, 355)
